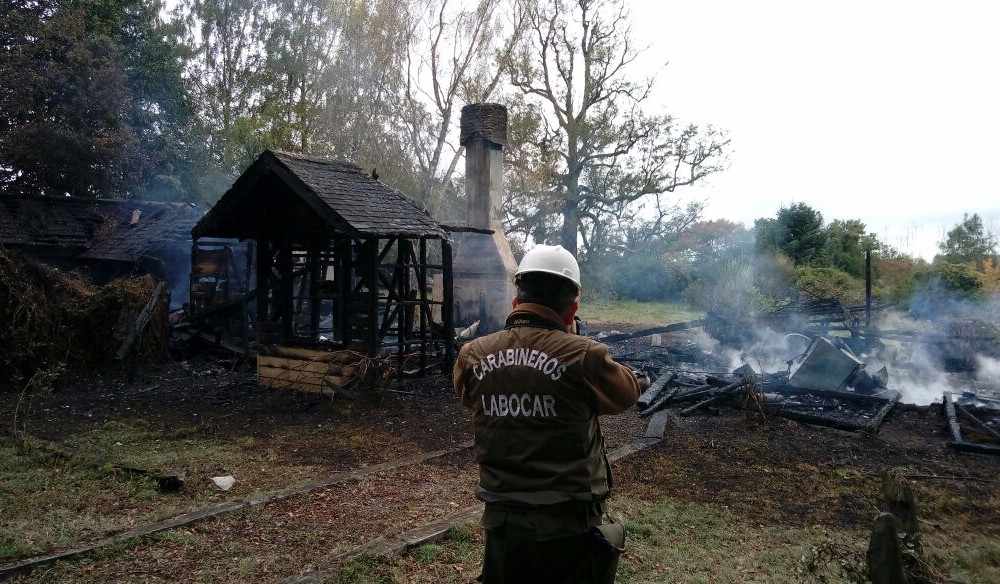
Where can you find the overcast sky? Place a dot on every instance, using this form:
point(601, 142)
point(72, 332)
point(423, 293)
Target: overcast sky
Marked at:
point(883, 111)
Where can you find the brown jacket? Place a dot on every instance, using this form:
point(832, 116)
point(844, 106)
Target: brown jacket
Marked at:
point(535, 392)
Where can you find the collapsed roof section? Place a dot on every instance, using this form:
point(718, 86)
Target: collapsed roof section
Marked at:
point(103, 239)
point(94, 229)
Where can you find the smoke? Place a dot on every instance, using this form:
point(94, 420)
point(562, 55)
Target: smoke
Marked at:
point(709, 345)
point(987, 370)
point(770, 353)
point(920, 380)
point(915, 366)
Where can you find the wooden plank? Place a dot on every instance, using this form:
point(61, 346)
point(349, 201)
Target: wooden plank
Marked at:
point(657, 424)
point(253, 500)
point(284, 378)
point(649, 396)
point(307, 354)
point(265, 371)
point(722, 394)
point(949, 408)
point(882, 413)
point(818, 420)
point(975, 448)
point(320, 367)
point(892, 394)
point(295, 352)
point(977, 422)
point(140, 322)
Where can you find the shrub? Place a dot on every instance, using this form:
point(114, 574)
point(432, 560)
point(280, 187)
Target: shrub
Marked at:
point(830, 283)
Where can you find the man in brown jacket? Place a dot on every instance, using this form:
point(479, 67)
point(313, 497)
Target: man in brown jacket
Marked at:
point(535, 390)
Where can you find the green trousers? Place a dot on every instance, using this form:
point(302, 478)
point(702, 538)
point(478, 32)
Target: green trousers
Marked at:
point(538, 548)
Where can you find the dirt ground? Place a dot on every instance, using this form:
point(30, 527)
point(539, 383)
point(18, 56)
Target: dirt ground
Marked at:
point(770, 469)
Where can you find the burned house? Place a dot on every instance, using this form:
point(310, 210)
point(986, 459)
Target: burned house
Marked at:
point(103, 239)
point(344, 270)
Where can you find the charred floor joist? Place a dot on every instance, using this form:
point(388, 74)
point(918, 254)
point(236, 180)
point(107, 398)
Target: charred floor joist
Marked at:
point(343, 262)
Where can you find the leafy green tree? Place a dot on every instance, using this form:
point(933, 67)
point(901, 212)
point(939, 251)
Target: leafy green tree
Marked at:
point(224, 59)
point(969, 242)
point(92, 102)
point(64, 107)
point(824, 283)
point(797, 232)
point(707, 242)
point(846, 244)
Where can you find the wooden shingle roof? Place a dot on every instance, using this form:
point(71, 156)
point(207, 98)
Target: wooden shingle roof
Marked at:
point(99, 229)
point(340, 194)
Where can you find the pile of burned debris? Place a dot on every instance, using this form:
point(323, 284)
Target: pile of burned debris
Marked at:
point(830, 371)
point(974, 422)
point(825, 385)
point(56, 320)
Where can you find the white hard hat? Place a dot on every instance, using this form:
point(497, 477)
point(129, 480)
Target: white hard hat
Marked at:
point(550, 259)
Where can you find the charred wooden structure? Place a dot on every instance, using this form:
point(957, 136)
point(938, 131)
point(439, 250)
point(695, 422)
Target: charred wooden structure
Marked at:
point(343, 261)
point(101, 238)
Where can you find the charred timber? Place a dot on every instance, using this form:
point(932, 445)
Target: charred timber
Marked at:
point(721, 395)
point(956, 432)
point(140, 322)
point(882, 413)
point(949, 408)
point(654, 390)
point(977, 422)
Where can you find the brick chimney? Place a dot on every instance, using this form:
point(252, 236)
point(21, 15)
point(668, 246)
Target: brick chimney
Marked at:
point(483, 263)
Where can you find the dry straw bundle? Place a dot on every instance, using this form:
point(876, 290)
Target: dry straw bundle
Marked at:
point(52, 318)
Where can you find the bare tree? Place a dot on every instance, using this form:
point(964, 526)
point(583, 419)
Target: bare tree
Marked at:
point(614, 162)
point(459, 54)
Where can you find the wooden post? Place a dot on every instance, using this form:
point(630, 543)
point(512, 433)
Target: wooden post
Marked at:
point(900, 502)
point(868, 288)
point(342, 279)
point(371, 260)
point(885, 557)
point(264, 258)
point(949, 408)
point(287, 278)
point(315, 277)
point(447, 307)
point(424, 307)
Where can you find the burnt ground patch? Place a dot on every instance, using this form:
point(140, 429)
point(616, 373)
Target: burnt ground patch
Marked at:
point(767, 470)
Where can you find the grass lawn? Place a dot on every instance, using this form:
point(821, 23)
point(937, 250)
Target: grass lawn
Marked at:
point(635, 314)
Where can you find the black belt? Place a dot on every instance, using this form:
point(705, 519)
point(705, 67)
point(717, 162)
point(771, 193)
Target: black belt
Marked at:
point(564, 508)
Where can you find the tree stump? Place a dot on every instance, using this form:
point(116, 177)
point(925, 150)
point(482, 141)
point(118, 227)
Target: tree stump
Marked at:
point(885, 555)
point(900, 502)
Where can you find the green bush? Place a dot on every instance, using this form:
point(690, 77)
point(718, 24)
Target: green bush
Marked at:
point(642, 277)
point(827, 283)
point(960, 278)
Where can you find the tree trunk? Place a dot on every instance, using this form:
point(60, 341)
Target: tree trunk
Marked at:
point(571, 221)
